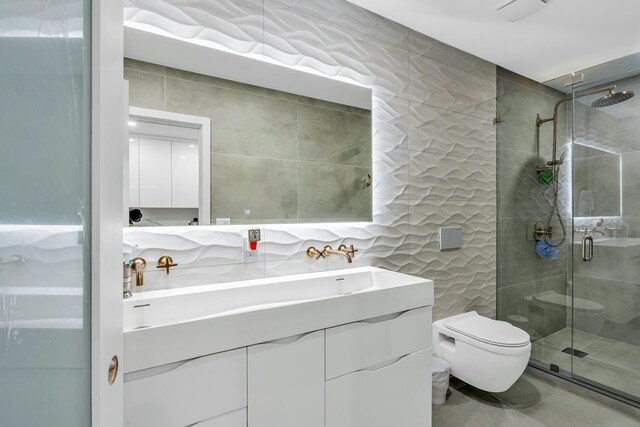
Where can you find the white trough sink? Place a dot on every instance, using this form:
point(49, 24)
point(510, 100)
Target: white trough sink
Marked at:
point(167, 326)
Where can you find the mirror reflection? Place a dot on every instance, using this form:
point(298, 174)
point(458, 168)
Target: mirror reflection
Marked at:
point(209, 150)
point(596, 182)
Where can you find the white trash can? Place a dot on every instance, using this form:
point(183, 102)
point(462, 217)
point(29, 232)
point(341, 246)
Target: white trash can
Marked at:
point(440, 370)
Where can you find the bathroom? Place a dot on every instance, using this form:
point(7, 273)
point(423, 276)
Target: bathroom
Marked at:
point(363, 181)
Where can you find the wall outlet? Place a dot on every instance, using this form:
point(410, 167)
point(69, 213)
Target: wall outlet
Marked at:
point(248, 255)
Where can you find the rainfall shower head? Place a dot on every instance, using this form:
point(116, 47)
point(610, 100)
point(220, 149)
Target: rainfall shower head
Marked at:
point(612, 98)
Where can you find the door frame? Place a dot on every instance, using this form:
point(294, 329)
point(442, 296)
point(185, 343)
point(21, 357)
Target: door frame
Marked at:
point(107, 135)
point(203, 124)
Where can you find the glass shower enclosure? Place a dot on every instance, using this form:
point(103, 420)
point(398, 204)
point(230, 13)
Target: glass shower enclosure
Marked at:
point(570, 275)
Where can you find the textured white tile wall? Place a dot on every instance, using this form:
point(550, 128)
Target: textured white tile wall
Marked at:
point(434, 148)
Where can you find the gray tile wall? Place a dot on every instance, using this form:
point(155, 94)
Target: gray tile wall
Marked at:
point(434, 148)
point(522, 202)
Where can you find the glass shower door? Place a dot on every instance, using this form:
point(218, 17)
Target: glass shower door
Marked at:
point(605, 244)
point(45, 216)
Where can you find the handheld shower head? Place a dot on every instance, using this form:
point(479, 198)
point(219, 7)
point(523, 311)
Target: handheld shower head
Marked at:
point(613, 98)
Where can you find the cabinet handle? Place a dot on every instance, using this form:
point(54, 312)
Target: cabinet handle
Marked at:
point(385, 317)
point(385, 364)
point(289, 340)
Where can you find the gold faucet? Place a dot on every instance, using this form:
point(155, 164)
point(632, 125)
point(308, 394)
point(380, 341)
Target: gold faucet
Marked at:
point(348, 253)
point(138, 264)
point(350, 250)
point(166, 261)
point(342, 250)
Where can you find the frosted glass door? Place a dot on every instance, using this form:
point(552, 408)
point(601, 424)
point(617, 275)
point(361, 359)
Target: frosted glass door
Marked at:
point(45, 215)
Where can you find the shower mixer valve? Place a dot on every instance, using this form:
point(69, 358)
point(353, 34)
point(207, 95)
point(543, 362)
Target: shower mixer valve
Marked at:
point(541, 232)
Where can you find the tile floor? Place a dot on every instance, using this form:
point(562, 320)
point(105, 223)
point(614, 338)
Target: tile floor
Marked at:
point(611, 363)
point(530, 402)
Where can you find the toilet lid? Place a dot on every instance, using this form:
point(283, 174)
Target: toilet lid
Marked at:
point(489, 331)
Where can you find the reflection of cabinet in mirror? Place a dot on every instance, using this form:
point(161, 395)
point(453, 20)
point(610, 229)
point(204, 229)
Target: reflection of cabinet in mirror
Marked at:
point(168, 167)
point(163, 174)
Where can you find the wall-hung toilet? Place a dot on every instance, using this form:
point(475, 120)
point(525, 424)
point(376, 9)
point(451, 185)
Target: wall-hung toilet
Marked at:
point(488, 354)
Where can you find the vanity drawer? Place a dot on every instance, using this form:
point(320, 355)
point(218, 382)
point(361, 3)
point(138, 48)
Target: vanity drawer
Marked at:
point(185, 393)
point(359, 345)
point(397, 394)
point(233, 419)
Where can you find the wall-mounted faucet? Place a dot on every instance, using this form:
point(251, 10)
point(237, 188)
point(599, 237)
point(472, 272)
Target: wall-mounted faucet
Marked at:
point(348, 253)
point(138, 265)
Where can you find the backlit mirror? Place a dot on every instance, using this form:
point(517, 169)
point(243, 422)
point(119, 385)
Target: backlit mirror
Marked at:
point(596, 182)
point(210, 150)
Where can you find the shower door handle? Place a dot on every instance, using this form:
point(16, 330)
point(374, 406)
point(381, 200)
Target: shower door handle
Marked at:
point(587, 248)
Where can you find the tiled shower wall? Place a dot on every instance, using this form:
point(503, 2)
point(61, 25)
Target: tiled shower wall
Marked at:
point(522, 202)
point(434, 149)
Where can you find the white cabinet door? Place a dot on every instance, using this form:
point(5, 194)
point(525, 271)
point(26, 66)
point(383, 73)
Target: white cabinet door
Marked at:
point(233, 419)
point(286, 382)
point(398, 395)
point(155, 173)
point(369, 342)
point(185, 175)
point(186, 393)
point(134, 173)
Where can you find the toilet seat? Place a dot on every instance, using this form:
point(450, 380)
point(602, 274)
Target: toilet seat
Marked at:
point(488, 331)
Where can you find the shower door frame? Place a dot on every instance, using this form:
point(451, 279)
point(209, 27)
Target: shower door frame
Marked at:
point(571, 375)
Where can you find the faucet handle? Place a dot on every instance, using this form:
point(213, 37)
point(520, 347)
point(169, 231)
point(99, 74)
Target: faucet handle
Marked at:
point(351, 250)
point(313, 252)
point(166, 262)
point(327, 250)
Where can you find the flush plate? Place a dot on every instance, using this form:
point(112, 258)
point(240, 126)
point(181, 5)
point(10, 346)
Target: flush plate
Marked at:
point(450, 238)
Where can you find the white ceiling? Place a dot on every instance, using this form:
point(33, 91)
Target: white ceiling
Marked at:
point(565, 36)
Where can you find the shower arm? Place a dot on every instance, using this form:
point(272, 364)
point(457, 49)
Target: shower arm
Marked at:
point(539, 122)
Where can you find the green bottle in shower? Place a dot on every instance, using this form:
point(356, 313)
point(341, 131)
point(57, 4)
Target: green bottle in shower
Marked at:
point(545, 177)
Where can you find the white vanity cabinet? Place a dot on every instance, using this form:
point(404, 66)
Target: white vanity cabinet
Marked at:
point(378, 371)
point(374, 372)
point(396, 394)
point(369, 342)
point(186, 393)
point(232, 419)
point(286, 382)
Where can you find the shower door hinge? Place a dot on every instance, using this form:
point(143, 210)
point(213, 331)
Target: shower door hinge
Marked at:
point(573, 79)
